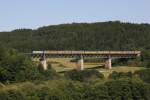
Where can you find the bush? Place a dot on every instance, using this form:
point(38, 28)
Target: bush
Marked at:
point(135, 62)
point(118, 75)
point(126, 89)
point(123, 89)
point(12, 95)
point(120, 62)
point(83, 76)
point(50, 73)
point(98, 92)
point(144, 75)
point(15, 67)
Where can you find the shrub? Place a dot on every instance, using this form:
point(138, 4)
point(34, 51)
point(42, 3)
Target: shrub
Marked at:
point(15, 67)
point(84, 75)
point(123, 89)
point(144, 75)
point(98, 92)
point(135, 62)
point(118, 75)
point(50, 73)
point(127, 89)
point(12, 95)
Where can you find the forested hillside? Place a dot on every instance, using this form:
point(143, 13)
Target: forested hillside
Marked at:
point(23, 79)
point(80, 36)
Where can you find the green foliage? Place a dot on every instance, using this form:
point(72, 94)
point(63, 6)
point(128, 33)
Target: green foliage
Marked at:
point(121, 62)
point(135, 62)
point(49, 73)
point(144, 75)
point(84, 75)
point(12, 95)
point(128, 90)
point(16, 67)
point(53, 90)
point(146, 58)
point(80, 36)
point(124, 89)
point(98, 92)
point(118, 75)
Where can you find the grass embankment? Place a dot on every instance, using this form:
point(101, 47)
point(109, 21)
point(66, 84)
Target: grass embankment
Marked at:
point(64, 65)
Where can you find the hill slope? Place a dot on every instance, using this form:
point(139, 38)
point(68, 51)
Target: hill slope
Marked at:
point(80, 36)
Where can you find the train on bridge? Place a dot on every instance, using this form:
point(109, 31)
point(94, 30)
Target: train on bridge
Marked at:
point(87, 52)
point(108, 55)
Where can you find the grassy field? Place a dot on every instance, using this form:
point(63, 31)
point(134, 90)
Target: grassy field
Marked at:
point(62, 65)
point(65, 64)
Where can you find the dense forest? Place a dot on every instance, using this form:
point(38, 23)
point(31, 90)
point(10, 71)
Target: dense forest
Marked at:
point(80, 36)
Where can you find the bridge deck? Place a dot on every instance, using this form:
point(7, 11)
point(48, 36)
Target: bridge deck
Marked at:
point(89, 52)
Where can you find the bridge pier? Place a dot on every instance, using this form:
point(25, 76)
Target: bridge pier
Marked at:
point(43, 61)
point(44, 64)
point(80, 63)
point(108, 64)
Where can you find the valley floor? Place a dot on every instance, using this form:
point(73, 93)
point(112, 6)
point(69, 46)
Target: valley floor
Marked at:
point(63, 65)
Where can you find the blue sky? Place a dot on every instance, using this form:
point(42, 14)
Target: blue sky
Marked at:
point(16, 14)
